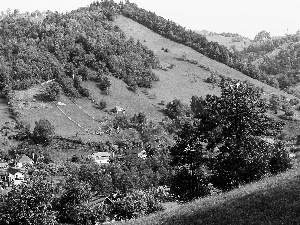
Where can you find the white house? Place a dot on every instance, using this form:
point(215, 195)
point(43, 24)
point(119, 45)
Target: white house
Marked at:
point(101, 157)
point(23, 161)
point(142, 154)
point(15, 176)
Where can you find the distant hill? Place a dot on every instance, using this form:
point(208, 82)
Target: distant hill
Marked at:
point(278, 58)
point(229, 40)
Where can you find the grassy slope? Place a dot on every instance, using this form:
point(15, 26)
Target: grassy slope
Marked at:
point(180, 81)
point(273, 200)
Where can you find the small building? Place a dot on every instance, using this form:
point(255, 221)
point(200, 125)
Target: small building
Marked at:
point(101, 157)
point(118, 109)
point(142, 154)
point(23, 161)
point(15, 175)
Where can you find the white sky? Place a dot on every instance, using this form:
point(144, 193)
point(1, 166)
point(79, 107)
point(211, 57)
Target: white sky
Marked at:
point(246, 17)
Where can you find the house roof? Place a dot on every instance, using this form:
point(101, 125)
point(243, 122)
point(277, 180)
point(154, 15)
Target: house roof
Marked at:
point(101, 154)
point(25, 159)
point(12, 170)
point(142, 153)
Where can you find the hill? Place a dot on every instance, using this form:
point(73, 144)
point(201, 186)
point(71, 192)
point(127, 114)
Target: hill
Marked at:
point(227, 39)
point(182, 73)
point(272, 200)
point(278, 58)
point(179, 55)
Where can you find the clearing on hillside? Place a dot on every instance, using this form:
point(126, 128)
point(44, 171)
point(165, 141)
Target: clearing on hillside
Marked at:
point(185, 78)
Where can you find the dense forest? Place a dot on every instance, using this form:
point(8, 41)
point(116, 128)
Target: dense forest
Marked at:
point(278, 57)
point(82, 43)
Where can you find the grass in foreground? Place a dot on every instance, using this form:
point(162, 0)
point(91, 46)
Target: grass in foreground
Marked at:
point(273, 200)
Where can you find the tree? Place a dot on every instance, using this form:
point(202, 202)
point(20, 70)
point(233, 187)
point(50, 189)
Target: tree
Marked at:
point(225, 139)
point(43, 132)
point(29, 204)
point(175, 109)
point(189, 158)
point(53, 91)
point(274, 103)
point(72, 204)
point(262, 35)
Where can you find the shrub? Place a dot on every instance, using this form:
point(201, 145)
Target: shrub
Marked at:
point(102, 104)
point(176, 109)
point(23, 128)
point(104, 84)
point(135, 204)
point(43, 132)
point(280, 160)
point(186, 186)
point(84, 92)
point(121, 122)
point(53, 91)
point(67, 84)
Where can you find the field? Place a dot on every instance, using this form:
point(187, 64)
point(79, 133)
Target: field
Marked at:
point(185, 79)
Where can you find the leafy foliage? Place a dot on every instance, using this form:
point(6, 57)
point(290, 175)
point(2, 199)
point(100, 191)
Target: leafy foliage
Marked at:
point(62, 46)
point(53, 91)
point(224, 145)
point(135, 204)
point(29, 204)
point(43, 131)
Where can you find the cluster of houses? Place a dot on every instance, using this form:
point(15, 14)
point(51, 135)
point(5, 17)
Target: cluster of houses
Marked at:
point(103, 158)
point(14, 173)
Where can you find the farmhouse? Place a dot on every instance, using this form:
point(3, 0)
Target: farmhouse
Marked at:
point(101, 157)
point(118, 109)
point(142, 154)
point(23, 161)
point(15, 175)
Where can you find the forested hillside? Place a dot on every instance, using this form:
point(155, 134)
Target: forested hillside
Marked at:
point(81, 44)
point(278, 57)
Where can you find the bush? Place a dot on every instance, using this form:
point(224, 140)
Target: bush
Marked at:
point(67, 84)
point(84, 92)
point(102, 104)
point(186, 186)
point(121, 122)
point(280, 160)
point(176, 109)
point(135, 204)
point(104, 84)
point(53, 91)
point(43, 132)
point(23, 128)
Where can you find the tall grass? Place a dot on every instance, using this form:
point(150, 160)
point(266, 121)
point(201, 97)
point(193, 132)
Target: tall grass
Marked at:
point(273, 200)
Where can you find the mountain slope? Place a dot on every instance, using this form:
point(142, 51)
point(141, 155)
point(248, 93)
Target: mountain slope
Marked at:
point(176, 85)
point(273, 200)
